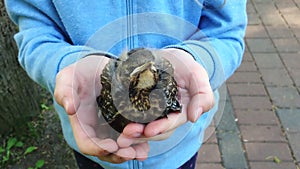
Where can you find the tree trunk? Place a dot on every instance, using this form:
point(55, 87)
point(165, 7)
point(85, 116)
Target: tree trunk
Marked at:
point(19, 96)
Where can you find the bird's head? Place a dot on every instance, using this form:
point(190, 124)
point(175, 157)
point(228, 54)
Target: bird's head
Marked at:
point(144, 76)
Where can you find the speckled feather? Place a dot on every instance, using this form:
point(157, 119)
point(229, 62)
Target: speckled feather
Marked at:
point(121, 101)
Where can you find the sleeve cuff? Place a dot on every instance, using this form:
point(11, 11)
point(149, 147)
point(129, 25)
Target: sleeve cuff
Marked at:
point(75, 55)
point(205, 55)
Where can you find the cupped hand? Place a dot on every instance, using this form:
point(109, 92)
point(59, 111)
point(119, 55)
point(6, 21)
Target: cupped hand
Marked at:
point(77, 87)
point(194, 91)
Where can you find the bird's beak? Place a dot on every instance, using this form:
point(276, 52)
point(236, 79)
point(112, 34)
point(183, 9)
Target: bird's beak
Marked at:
point(146, 66)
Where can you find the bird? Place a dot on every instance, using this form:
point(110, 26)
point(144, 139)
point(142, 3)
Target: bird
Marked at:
point(138, 87)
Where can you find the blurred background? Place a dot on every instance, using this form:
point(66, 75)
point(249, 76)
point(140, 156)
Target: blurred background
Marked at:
point(257, 127)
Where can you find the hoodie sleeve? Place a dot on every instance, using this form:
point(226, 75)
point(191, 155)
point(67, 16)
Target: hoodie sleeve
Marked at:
point(44, 48)
point(219, 43)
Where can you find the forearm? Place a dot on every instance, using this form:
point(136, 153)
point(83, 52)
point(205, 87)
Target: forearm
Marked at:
point(218, 58)
point(44, 49)
point(218, 44)
point(44, 57)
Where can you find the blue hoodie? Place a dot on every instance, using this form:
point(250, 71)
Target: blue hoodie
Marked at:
point(54, 34)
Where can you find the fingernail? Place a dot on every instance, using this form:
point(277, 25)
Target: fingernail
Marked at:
point(197, 114)
point(137, 134)
point(65, 104)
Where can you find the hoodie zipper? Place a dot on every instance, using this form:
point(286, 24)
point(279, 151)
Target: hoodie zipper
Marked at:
point(135, 164)
point(130, 31)
point(130, 45)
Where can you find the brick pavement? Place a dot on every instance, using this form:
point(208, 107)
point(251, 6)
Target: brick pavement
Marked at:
point(260, 122)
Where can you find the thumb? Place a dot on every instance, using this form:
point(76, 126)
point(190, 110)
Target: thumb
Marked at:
point(199, 104)
point(71, 103)
point(65, 92)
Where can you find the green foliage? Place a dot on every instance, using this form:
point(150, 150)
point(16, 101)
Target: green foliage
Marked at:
point(38, 164)
point(6, 149)
point(274, 158)
point(45, 107)
point(30, 150)
point(13, 149)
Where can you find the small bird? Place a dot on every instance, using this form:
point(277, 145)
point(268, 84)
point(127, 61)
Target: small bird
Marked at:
point(139, 87)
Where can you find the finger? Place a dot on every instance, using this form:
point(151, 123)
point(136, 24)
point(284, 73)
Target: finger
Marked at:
point(140, 146)
point(125, 154)
point(104, 149)
point(165, 124)
point(133, 130)
point(158, 137)
point(117, 159)
point(64, 92)
point(142, 151)
point(125, 141)
point(198, 81)
point(70, 102)
point(88, 143)
point(202, 96)
point(200, 103)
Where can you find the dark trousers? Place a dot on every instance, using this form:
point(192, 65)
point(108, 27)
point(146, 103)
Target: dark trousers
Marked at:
point(85, 163)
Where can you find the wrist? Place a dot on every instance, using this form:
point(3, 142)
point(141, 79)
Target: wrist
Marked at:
point(178, 52)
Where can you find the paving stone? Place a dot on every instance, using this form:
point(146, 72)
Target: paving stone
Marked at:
point(272, 19)
point(209, 166)
point(245, 77)
point(272, 165)
point(297, 2)
point(247, 57)
point(289, 119)
point(256, 31)
point(253, 19)
point(251, 103)
point(276, 77)
point(229, 141)
point(210, 135)
point(287, 45)
point(291, 60)
point(261, 151)
point(296, 31)
point(254, 133)
point(268, 60)
point(287, 8)
point(209, 153)
point(266, 8)
point(246, 49)
point(260, 2)
point(250, 8)
point(281, 31)
point(260, 45)
point(284, 96)
point(278, 2)
point(247, 67)
point(287, 1)
point(227, 122)
point(295, 74)
point(293, 19)
point(294, 142)
point(267, 34)
point(246, 89)
point(280, 73)
point(264, 117)
point(232, 151)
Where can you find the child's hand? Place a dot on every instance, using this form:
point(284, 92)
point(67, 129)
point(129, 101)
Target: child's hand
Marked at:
point(195, 95)
point(77, 87)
